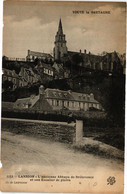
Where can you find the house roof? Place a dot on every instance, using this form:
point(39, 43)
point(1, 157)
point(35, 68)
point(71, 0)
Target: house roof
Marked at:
point(69, 95)
point(83, 97)
point(59, 94)
point(34, 102)
point(30, 100)
point(22, 100)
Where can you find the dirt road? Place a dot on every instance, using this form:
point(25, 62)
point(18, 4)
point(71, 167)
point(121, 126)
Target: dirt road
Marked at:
point(23, 150)
point(25, 155)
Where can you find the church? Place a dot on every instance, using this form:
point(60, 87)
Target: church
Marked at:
point(61, 55)
point(107, 62)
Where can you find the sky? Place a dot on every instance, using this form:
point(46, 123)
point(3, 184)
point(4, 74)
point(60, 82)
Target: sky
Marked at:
point(33, 26)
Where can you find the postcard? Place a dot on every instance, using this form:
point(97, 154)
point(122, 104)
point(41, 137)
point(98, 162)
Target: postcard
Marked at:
point(63, 96)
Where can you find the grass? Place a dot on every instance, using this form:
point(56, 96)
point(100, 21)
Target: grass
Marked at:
point(110, 136)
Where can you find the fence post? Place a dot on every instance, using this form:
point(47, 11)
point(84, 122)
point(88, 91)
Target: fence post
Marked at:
point(79, 130)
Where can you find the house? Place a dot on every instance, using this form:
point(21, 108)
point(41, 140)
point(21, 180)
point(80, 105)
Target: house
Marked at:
point(55, 99)
point(10, 76)
point(14, 78)
point(73, 101)
point(25, 103)
point(28, 75)
point(45, 68)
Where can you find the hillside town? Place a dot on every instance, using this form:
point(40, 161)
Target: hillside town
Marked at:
point(47, 73)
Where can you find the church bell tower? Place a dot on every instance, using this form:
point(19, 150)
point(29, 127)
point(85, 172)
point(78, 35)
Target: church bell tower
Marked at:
point(60, 43)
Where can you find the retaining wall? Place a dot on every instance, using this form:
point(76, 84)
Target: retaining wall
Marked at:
point(58, 132)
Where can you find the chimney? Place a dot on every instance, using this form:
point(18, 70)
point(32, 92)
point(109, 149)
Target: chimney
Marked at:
point(91, 96)
point(41, 91)
point(28, 52)
point(85, 51)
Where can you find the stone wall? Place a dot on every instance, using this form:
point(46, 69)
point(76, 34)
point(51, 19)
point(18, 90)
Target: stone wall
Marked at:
point(54, 131)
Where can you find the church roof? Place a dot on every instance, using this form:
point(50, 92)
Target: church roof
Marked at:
point(39, 54)
point(60, 29)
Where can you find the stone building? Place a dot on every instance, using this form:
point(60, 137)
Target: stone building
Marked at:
point(73, 101)
point(56, 99)
point(28, 74)
point(44, 68)
point(32, 55)
point(12, 76)
point(107, 62)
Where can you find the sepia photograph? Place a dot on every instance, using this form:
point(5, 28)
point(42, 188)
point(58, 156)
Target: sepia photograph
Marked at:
point(63, 96)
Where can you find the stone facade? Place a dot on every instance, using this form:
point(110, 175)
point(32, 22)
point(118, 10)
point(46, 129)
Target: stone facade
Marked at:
point(69, 100)
point(12, 76)
point(32, 55)
point(58, 132)
point(44, 68)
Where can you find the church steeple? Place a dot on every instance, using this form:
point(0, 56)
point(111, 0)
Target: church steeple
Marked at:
point(60, 29)
point(60, 48)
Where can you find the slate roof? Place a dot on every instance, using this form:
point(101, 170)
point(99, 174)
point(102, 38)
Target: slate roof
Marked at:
point(38, 103)
point(26, 101)
point(86, 56)
point(59, 94)
point(68, 95)
point(19, 102)
point(83, 97)
point(39, 54)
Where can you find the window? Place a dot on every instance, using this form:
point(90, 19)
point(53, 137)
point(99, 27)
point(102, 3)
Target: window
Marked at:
point(60, 94)
point(14, 80)
point(57, 103)
point(54, 93)
point(9, 78)
point(79, 97)
point(65, 95)
point(54, 102)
